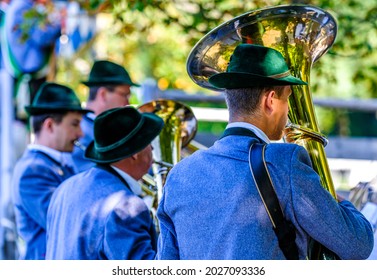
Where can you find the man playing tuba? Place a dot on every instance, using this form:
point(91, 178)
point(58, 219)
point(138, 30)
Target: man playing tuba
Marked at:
point(211, 207)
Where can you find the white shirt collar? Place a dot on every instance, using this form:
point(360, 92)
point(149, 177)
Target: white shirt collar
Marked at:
point(55, 154)
point(258, 132)
point(91, 116)
point(134, 185)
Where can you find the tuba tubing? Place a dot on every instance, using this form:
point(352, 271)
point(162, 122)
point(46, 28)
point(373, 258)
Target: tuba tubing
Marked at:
point(180, 127)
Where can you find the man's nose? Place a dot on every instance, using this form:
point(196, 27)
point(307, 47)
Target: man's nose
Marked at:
point(80, 133)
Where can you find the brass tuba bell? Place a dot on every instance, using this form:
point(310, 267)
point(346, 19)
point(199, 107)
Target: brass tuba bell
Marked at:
point(302, 34)
point(180, 126)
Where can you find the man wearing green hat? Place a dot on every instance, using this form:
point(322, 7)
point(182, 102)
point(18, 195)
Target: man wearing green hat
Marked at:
point(55, 116)
point(211, 207)
point(109, 87)
point(97, 214)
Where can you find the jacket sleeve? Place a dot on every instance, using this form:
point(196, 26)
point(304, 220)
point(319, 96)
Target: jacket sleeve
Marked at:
point(338, 226)
point(36, 187)
point(127, 233)
point(167, 248)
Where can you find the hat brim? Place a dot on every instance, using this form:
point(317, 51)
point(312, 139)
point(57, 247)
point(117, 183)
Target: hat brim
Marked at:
point(151, 128)
point(101, 83)
point(230, 80)
point(34, 110)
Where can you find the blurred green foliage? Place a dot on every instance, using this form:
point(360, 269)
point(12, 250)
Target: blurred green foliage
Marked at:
point(154, 38)
point(215, 128)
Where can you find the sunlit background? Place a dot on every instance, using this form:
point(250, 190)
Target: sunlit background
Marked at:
point(152, 39)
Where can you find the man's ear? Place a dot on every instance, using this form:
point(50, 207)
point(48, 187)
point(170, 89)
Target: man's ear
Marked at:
point(102, 93)
point(268, 101)
point(48, 124)
point(135, 156)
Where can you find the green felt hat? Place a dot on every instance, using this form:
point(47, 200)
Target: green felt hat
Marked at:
point(254, 65)
point(121, 132)
point(52, 97)
point(108, 73)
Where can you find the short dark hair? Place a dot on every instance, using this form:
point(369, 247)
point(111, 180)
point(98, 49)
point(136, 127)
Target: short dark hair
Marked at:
point(94, 89)
point(38, 120)
point(244, 101)
point(93, 92)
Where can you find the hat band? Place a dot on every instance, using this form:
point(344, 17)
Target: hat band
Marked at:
point(282, 75)
point(121, 141)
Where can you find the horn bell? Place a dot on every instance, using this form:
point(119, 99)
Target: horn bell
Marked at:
point(180, 127)
point(299, 32)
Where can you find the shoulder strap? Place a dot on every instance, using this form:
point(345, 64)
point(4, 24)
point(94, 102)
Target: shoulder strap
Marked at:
point(240, 131)
point(283, 229)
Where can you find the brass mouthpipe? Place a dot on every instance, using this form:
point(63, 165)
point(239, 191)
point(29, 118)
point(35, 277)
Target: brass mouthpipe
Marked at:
point(79, 145)
point(163, 163)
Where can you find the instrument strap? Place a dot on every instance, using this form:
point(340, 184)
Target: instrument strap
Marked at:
point(284, 229)
point(240, 131)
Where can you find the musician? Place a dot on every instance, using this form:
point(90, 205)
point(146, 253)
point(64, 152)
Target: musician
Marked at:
point(109, 87)
point(55, 116)
point(211, 208)
point(97, 214)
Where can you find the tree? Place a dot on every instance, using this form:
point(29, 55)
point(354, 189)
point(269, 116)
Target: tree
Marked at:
point(154, 38)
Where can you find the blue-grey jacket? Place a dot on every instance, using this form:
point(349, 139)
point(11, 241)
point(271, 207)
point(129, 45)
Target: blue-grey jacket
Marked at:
point(81, 163)
point(94, 216)
point(211, 208)
point(32, 54)
point(36, 176)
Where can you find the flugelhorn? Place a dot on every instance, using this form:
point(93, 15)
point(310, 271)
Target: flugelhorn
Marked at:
point(180, 126)
point(302, 34)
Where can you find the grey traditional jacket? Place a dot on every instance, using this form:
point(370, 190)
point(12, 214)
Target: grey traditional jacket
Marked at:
point(211, 208)
point(94, 215)
point(36, 176)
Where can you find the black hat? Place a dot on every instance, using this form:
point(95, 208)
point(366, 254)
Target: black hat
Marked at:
point(108, 73)
point(121, 132)
point(52, 97)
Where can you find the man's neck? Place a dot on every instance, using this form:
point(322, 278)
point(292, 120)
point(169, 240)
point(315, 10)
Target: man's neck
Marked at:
point(46, 139)
point(256, 120)
point(93, 107)
point(249, 120)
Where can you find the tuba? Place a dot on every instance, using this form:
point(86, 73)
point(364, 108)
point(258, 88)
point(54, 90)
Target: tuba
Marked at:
point(180, 126)
point(302, 34)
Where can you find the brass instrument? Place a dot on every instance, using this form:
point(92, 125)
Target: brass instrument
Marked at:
point(180, 126)
point(79, 145)
point(302, 34)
